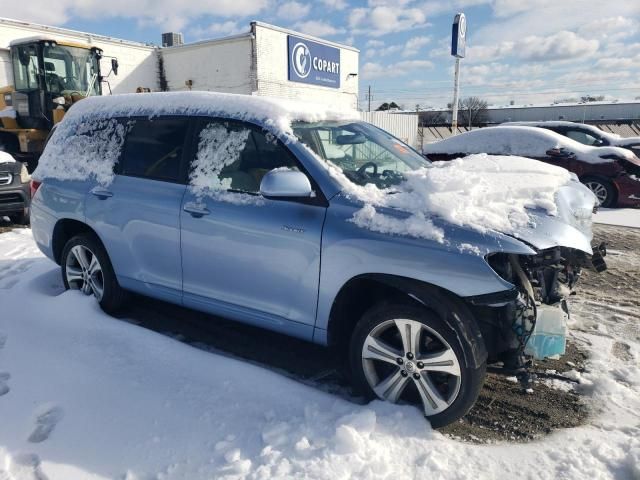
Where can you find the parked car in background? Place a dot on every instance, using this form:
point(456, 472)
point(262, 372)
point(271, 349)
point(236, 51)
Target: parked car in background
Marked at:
point(611, 173)
point(586, 134)
point(261, 212)
point(15, 195)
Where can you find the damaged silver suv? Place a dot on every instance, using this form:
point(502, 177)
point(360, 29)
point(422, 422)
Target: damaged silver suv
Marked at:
point(310, 222)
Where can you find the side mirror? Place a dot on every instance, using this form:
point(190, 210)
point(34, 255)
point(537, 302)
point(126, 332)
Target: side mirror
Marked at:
point(285, 184)
point(114, 66)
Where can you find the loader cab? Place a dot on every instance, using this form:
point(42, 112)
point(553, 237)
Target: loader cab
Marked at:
point(49, 74)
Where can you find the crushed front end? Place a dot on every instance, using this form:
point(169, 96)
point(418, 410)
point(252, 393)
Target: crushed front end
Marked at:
point(531, 321)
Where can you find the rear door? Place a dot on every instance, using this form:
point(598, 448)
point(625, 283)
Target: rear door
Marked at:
point(244, 256)
point(138, 215)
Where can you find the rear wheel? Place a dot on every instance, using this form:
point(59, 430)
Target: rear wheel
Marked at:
point(408, 354)
point(602, 189)
point(86, 267)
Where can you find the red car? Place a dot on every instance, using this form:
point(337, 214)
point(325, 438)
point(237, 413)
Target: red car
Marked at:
point(612, 173)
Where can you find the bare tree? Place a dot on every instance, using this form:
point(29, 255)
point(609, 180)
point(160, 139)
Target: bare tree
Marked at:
point(473, 111)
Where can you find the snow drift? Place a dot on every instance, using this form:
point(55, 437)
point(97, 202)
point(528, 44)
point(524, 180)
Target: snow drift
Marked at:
point(90, 397)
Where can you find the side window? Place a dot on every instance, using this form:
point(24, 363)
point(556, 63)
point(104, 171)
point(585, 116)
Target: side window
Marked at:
point(234, 155)
point(154, 148)
point(581, 137)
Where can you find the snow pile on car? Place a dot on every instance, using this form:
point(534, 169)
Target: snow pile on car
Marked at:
point(523, 141)
point(88, 141)
point(481, 191)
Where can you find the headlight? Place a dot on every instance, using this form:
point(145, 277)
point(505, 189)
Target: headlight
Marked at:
point(25, 177)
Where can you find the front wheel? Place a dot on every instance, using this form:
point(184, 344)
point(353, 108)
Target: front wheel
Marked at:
point(408, 354)
point(602, 189)
point(86, 267)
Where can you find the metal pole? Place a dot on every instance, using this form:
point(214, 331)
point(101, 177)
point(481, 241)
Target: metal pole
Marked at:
point(454, 114)
point(369, 95)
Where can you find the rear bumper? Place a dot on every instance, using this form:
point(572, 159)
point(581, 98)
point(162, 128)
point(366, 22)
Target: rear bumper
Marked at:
point(15, 199)
point(628, 191)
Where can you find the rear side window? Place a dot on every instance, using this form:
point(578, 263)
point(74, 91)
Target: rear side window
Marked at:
point(154, 149)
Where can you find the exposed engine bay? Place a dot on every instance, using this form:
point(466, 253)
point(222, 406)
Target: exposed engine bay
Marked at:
point(532, 324)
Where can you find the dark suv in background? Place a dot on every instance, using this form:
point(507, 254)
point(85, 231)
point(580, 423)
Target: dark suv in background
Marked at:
point(15, 196)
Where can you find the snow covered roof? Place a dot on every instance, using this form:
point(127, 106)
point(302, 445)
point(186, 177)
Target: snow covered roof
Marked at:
point(523, 141)
point(613, 138)
point(274, 112)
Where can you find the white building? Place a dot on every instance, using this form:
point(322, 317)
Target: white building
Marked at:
point(588, 112)
point(267, 60)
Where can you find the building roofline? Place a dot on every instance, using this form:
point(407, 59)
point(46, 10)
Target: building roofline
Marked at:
point(201, 43)
point(65, 31)
point(304, 35)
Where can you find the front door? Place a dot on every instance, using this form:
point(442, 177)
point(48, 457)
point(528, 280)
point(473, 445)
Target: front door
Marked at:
point(244, 256)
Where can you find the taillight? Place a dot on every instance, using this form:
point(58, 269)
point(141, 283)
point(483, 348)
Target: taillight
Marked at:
point(34, 187)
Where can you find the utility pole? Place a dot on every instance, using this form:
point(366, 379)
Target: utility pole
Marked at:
point(420, 128)
point(458, 47)
point(369, 97)
point(456, 92)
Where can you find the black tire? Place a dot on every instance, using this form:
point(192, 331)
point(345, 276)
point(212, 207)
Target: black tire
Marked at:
point(470, 380)
point(20, 218)
point(113, 297)
point(600, 186)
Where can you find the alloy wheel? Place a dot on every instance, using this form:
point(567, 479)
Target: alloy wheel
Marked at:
point(599, 190)
point(407, 361)
point(84, 272)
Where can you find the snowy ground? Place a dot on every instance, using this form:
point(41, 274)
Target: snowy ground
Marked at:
point(85, 396)
point(625, 217)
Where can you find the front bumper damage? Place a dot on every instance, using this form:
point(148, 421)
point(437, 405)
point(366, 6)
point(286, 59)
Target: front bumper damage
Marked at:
point(529, 322)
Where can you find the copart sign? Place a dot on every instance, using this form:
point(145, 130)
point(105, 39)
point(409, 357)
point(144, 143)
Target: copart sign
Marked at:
point(312, 62)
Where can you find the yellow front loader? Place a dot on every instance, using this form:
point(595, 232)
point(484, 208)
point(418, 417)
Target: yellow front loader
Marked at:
point(48, 77)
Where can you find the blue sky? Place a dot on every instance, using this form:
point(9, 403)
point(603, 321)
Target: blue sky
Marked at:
point(525, 51)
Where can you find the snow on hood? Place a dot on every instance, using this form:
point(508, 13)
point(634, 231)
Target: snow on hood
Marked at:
point(523, 141)
point(88, 141)
point(480, 191)
point(6, 158)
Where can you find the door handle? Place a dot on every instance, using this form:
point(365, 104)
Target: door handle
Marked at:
point(101, 193)
point(196, 210)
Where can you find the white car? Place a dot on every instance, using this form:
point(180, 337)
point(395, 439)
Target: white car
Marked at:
point(586, 134)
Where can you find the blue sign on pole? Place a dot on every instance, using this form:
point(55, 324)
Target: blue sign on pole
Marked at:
point(459, 36)
point(314, 63)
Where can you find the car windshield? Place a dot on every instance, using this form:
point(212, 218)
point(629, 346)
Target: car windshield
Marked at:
point(363, 152)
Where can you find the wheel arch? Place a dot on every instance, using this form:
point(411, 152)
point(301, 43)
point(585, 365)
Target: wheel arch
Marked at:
point(363, 291)
point(64, 230)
